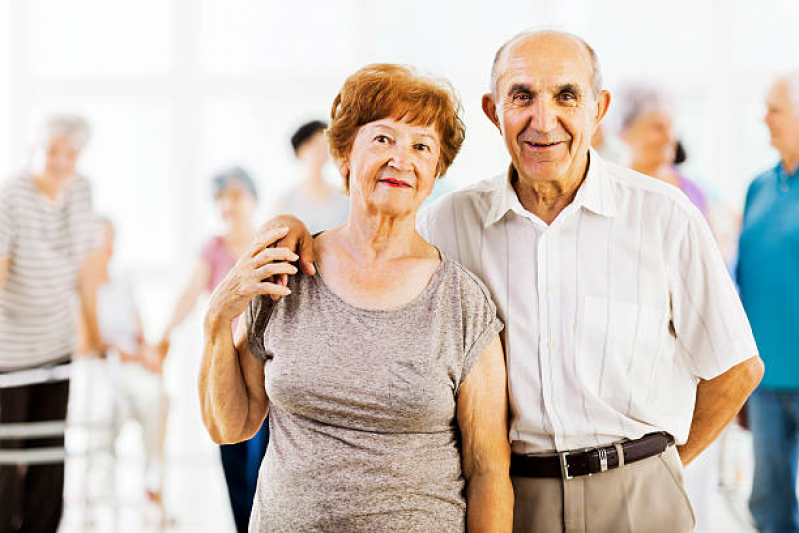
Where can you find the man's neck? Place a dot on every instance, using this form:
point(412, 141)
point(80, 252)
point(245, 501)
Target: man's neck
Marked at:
point(546, 199)
point(790, 163)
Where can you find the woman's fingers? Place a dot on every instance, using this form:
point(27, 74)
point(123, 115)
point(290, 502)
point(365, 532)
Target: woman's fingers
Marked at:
point(267, 237)
point(272, 289)
point(271, 269)
point(268, 255)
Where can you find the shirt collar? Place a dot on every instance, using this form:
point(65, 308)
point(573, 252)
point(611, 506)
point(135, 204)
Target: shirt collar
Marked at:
point(594, 194)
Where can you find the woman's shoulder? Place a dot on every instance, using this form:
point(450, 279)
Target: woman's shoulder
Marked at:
point(469, 286)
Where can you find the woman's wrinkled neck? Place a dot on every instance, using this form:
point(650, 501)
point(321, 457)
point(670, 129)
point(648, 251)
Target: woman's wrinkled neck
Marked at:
point(369, 235)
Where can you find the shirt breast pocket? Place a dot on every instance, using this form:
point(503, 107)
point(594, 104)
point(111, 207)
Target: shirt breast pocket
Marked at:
point(617, 348)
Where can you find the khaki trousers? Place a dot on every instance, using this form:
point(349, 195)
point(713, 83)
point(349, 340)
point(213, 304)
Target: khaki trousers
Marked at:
point(642, 497)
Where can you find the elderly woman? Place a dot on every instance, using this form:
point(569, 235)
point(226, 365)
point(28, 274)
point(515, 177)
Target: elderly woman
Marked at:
point(235, 196)
point(646, 127)
point(47, 231)
point(383, 374)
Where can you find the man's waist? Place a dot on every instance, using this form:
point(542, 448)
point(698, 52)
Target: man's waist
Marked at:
point(589, 461)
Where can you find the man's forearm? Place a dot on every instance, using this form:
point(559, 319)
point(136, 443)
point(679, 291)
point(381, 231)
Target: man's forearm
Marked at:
point(717, 402)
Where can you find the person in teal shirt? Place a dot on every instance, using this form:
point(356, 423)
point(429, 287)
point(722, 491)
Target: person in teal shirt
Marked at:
point(768, 277)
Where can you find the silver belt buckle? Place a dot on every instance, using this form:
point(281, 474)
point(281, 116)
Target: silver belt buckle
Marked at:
point(564, 465)
point(603, 459)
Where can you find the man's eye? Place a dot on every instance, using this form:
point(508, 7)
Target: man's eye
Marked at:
point(568, 97)
point(521, 97)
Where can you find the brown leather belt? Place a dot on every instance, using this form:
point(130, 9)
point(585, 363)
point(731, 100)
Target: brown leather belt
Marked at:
point(567, 465)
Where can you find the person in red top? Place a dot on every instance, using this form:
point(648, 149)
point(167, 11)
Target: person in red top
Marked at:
point(236, 197)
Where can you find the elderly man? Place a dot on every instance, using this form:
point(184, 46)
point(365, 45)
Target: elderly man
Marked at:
point(624, 334)
point(768, 270)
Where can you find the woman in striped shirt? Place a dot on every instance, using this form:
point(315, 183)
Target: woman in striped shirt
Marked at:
point(47, 231)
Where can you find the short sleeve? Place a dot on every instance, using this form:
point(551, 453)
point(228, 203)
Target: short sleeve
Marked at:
point(712, 330)
point(256, 317)
point(480, 321)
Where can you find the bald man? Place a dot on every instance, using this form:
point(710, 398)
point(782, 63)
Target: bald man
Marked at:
point(628, 350)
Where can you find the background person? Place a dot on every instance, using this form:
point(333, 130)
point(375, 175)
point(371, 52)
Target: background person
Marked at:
point(235, 196)
point(768, 277)
point(47, 238)
point(314, 199)
point(647, 128)
point(132, 367)
point(383, 374)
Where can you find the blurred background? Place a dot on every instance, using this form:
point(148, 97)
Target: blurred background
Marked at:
point(176, 89)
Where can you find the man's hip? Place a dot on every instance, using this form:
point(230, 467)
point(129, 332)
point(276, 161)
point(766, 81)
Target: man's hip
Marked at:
point(639, 496)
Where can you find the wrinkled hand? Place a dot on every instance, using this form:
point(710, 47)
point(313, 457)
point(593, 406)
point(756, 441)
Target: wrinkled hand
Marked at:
point(253, 274)
point(298, 240)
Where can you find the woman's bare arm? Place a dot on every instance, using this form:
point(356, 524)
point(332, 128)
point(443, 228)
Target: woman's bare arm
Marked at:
point(483, 420)
point(231, 383)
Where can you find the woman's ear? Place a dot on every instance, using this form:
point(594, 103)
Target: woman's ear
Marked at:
point(344, 170)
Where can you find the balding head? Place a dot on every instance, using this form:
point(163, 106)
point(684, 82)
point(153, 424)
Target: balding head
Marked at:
point(547, 101)
point(544, 37)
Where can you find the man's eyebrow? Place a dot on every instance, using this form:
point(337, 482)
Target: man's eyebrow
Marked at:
point(570, 87)
point(519, 88)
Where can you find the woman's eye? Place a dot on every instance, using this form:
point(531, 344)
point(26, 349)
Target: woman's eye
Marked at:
point(422, 147)
point(381, 139)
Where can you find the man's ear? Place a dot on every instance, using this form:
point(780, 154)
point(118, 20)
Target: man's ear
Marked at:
point(490, 110)
point(602, 105)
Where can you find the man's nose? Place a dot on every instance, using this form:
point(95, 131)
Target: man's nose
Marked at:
point(544, 117)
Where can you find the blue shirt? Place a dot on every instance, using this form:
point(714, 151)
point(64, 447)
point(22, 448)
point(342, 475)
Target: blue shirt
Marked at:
point(768, 273)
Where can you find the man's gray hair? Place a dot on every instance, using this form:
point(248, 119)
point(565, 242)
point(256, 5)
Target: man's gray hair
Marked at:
point(596, 78)
point(791, 80)
point(634, 100)
point(71, 127)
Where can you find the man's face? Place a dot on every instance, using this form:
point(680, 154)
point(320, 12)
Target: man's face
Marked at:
point(545, 107)
point(782, 120)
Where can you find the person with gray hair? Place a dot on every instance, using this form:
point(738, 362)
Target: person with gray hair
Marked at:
point(235, 196)
point(646, 125)
point(48, 254)
point(627, 347)
point(767, 272)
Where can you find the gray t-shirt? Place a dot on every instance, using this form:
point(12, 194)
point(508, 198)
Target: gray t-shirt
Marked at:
point(362, 411)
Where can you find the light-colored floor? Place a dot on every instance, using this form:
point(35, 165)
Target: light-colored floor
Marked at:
point(105, 484)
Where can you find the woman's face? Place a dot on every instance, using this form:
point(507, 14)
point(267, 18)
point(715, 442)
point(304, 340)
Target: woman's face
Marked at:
point(235, 203)
point(651, 138)
point(60, 159)
point(392, 166)
point(314, 152)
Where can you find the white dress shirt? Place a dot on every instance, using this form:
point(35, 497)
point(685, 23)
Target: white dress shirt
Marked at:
point(612, 313)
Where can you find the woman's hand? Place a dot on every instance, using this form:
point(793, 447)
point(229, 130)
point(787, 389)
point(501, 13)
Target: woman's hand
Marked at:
point(253, 274)
point(298, 240)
